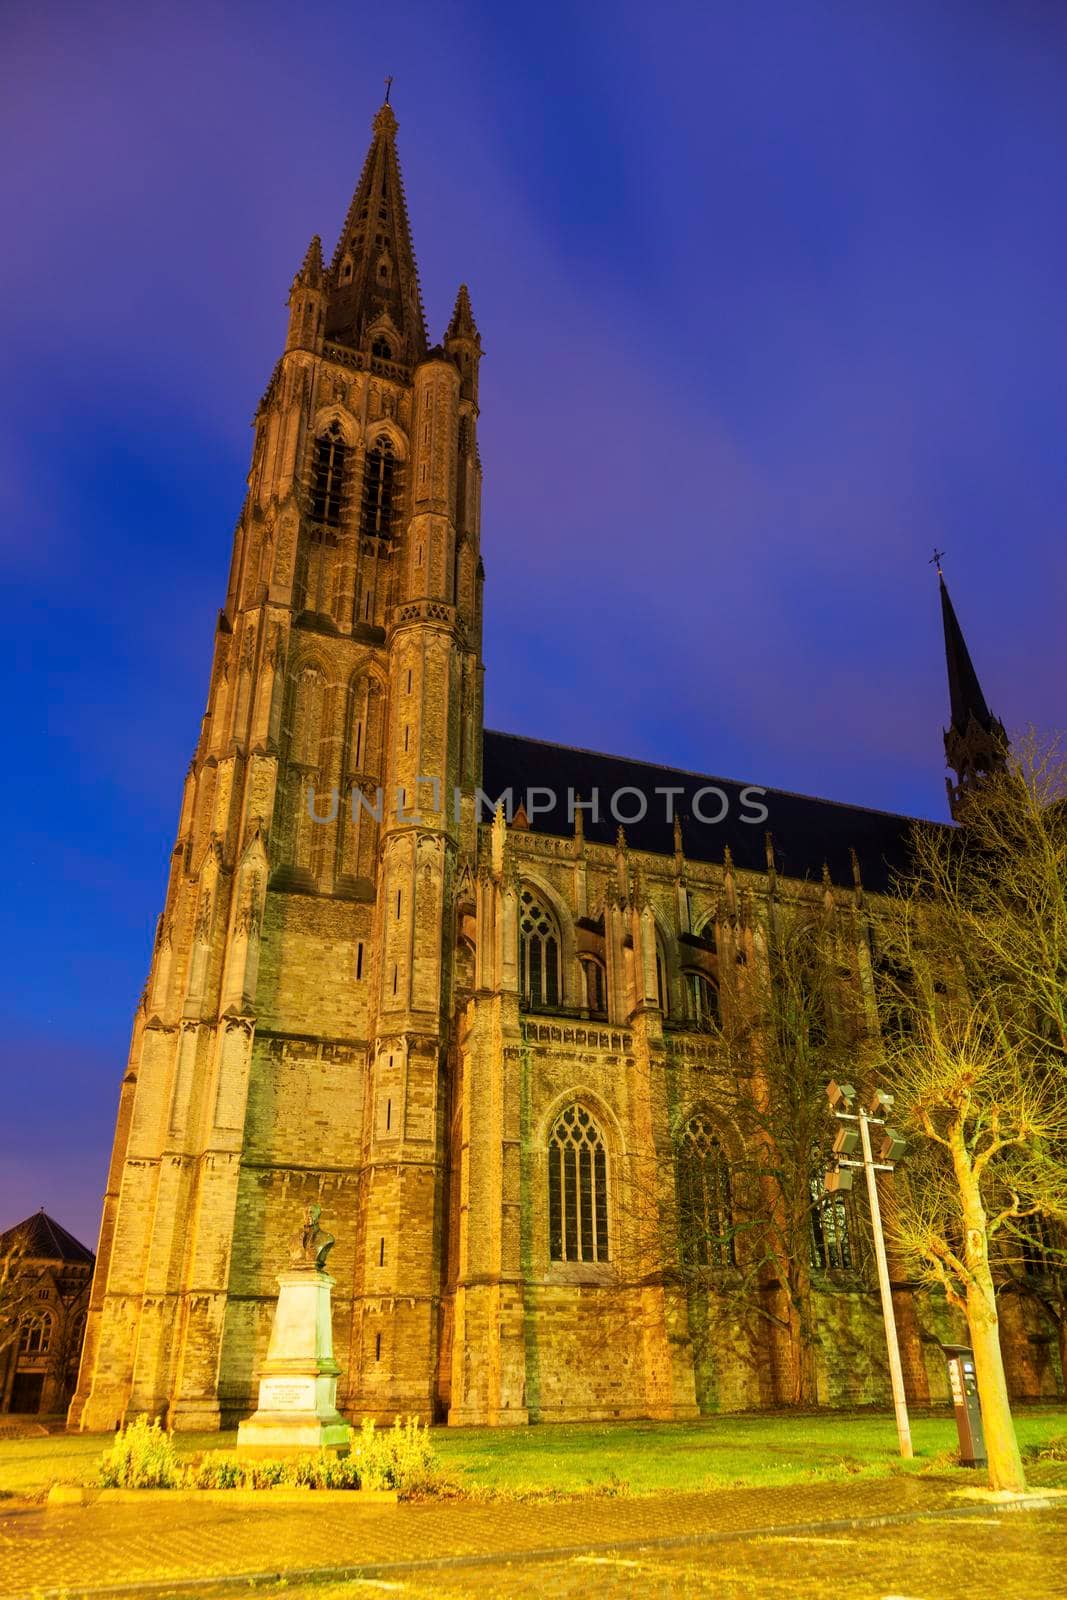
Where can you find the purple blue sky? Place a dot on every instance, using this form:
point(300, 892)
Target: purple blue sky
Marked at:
point(772, 298)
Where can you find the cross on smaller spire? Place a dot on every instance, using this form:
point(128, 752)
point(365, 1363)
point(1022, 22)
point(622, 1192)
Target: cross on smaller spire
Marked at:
point(388, 87)
point(935, 560)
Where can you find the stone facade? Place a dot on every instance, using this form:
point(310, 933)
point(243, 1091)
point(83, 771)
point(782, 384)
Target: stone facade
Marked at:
point(340, 1005)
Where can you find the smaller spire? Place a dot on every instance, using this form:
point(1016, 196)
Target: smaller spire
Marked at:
point(966, 699)
point(975, 740)
point(462, 325)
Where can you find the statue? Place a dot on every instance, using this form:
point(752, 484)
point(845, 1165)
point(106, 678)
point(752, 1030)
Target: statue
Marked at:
point(310, 1247)
point(297, 1408)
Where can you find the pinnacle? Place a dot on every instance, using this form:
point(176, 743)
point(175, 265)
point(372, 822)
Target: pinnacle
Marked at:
point(312, 271)
point(462, 325)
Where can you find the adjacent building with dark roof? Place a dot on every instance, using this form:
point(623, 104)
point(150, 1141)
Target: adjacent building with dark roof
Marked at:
point(45, 1275)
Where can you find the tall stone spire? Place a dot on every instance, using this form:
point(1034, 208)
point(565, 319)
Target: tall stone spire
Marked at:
point(375, 303)
point(975, 741)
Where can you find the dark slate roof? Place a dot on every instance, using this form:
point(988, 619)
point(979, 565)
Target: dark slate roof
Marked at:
point(805, 832)
point(42, 1238)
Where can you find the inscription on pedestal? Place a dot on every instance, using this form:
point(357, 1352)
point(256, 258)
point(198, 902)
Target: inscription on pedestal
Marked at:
point(287, 1394)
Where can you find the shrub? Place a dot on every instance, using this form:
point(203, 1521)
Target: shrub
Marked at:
point(141, 1457)
point(402, 1458)
point(216, 1472)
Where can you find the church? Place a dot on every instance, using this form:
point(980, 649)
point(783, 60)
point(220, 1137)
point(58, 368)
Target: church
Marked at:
point(445, 982)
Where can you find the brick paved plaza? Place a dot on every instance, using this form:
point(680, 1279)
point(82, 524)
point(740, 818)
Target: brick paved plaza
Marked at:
point(770, 1542)
point(928, 1535)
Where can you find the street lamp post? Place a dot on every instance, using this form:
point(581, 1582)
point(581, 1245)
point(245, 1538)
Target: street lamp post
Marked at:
point(842, 1098)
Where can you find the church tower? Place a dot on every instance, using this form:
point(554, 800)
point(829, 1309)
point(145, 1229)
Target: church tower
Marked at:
point(292, 1040)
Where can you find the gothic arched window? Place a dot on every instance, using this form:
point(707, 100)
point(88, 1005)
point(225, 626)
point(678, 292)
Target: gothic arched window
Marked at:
point(831, 1243)
point(702, 1002)
point(328, 477)
point(379, 490)
point(894, 988)
point(577, 1189)
point(35, 1337)
point(539, 947)
point(1036, 1248)
point(382, 349)
point(705, 1208)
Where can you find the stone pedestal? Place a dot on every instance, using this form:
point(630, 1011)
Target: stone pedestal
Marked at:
point(298, 1381)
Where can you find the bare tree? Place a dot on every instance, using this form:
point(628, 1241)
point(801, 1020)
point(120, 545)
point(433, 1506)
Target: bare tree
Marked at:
point(975, 1050)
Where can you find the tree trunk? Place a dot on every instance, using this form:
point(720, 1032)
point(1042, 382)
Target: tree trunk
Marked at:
point(1061, 1336)
point(802, 1341)
point(1002, 1447)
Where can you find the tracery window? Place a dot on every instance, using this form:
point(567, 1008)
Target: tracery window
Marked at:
point(539, 953)
point(328, 477)
point(894, 986)
point(35, 1336)
point(831, 1228)
point(381, 348)
point(702, 1002)
point(379, 490)
point(806, 1010)
point(705, 1209)
point(577, 1189)
point(1035, 1244)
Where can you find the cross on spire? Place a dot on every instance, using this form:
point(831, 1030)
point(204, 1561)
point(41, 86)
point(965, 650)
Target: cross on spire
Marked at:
point(388, 87)
point(935, 560)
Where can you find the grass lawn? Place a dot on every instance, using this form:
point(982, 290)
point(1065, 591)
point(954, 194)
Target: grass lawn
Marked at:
point(678, 1457)
point(635, 1457)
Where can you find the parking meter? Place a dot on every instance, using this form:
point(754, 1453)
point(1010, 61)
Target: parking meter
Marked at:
point(964, 1384)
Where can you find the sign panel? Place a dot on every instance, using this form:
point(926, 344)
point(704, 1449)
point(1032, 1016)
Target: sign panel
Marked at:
point(287, 1394)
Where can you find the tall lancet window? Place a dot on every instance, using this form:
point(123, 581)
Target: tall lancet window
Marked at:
point(539, 940)
point(328, 477)
point(706, 1222)
point(577, 1189)
point(379, 490)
